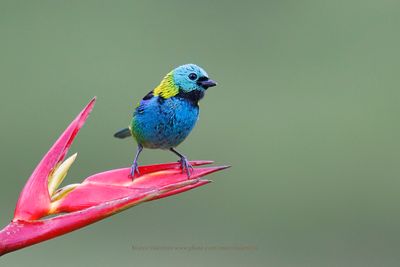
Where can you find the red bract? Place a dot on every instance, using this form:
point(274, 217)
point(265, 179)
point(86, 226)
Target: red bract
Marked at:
point(97, 197)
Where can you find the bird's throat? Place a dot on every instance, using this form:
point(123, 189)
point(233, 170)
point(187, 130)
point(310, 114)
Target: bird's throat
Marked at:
point(193, 96)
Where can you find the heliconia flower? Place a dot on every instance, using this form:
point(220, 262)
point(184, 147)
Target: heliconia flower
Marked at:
point(97, 197)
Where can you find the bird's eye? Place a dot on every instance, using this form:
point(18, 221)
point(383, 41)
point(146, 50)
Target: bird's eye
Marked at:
point(192, 76)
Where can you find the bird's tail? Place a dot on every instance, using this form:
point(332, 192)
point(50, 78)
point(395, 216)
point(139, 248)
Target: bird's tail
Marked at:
point(123, 133)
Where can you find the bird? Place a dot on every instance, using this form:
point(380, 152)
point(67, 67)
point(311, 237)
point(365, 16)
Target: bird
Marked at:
point(167, 114)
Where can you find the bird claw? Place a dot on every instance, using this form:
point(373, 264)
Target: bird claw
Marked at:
point(186, 166)
point(134, 170)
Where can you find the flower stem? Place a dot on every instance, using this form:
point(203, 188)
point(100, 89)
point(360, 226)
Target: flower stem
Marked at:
point(10, 238)
point(2, 242)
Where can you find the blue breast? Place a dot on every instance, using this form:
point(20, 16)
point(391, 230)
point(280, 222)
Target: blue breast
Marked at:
point(163, 123)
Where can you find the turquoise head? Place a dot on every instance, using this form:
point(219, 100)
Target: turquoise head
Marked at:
point(190, 77)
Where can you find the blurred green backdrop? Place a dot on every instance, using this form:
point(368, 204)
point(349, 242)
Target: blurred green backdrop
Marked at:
point(306, 111)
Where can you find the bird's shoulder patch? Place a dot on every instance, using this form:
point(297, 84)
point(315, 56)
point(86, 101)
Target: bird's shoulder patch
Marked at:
point(139, 108)
point(167, 88)
point(148, 96)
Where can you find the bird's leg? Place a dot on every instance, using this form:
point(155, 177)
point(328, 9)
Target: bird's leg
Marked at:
point(134, 168)
point(185, 165)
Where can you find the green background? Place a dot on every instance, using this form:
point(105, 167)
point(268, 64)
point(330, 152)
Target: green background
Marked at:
point(306, 111)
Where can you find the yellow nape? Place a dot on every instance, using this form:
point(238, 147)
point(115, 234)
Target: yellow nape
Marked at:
point(167, 87)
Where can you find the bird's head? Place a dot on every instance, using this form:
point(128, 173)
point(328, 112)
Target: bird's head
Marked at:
point(188, 81)
point(191, 77)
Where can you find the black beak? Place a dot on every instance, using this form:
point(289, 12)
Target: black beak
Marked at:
point(206, 83)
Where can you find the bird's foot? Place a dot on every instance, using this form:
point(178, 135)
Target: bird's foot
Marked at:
point(186, 166)
point(134, 171)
